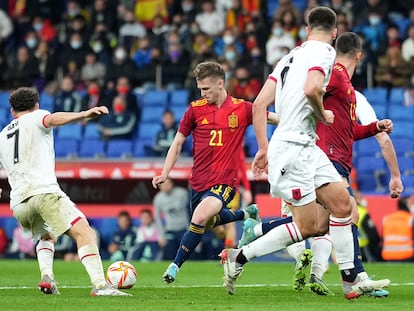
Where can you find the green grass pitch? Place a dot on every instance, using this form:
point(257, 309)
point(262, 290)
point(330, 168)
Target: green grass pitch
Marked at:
point(263, 286)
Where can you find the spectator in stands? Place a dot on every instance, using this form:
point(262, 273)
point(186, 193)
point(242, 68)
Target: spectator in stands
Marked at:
point(25, 70)
point(209, 20)
point(6, 28)
point(120, 123)
point(123, 238)
point(122, 66)
point(44, 29)
point(242, 85)
point(4, 241)
point(143, 54)
point(256, 65)
point(93, 69)
point(229, 37)
point(287, 5)
point(102, 42)
point(67, 100)
point(373, 29)
point(123, 89)
point(398, 232)
point(130, 30)
point(393, 36)
point(408, 46)
point(189, 10)
point(22, 245)
point(31, 41)
point(78, 24)
point(379, 6)
point(230, 55)
point(74, 71)
point(166, 134)
point(289, 22)
point(147, 247)
point(171, 216)
point(175, 66)
point(345, 7)
point(158, 31)
point(368, 237)
point(147, 77)
point(4, 73)
point(278, 43)
point(75, 50)
point(47, 64)
point(73, 9)
point(181, 26)
point(236, 16)
point(93, 97)
point(101, 13)
point(392, 70)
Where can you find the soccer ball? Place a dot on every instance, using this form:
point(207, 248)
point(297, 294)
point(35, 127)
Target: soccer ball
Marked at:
point(121, 274)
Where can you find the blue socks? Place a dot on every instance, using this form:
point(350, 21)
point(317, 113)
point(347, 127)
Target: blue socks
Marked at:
point(188, 243)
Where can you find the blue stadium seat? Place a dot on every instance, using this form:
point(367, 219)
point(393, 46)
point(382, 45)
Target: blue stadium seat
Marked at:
point(8, 224)
point(141, 148)
point(403, 129)
point(179, 98)
point(178, 111)
point(91, 131)
point(368, 147)
point(250, 134)
point(272, 6)
point(366, 183)
point(106, 228)
point(155, 98)
point(148, 130)
point(380, 111)
point(119, 148)
point(4, 99)
point(370, 164)
point(66, 147)
point(403, 146)
point(396, 96)
point(251, 145)
point(403, 113)
point(73, 131)
point(188, 146)
point(46, 101)
point(406, 165)
point(91, 148)
point(152, 114)
point(5, 117)
point(300, 4)
point(376, 96)
point(408, 182)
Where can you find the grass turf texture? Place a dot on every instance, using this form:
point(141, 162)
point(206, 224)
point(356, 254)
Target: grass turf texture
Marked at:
point(263, 286)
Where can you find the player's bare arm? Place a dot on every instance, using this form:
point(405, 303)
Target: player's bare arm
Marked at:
point(262, 101)
point(313, 90)
point(172, 156)
point(62, 118)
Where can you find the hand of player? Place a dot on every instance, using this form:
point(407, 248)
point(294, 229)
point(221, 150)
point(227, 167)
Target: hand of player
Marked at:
point(159, 179)
point(259, 165)
point(328, 117)
point(396, 187)
point(385, 125)
point(95, 112)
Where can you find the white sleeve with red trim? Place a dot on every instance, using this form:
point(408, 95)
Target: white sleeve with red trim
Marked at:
point(322, 59)
point(364, 111)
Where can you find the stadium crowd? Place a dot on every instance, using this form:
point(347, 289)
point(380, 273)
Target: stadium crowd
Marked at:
point(86, 53)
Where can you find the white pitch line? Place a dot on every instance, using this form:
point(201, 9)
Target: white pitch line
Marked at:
point(189, 286)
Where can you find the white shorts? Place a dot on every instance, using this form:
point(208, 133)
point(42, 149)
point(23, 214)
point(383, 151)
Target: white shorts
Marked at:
point(295, 171)
point(47, 213)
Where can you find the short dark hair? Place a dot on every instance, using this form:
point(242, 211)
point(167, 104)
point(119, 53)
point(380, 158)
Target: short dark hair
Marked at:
point(322, 18)
point(348, 43)
point(24, 98)
point(209, 70)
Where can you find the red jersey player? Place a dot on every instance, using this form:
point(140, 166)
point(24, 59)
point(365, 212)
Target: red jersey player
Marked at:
point(218, 123)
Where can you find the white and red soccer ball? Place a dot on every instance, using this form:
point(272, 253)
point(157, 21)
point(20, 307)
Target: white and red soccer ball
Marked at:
point(121, 274)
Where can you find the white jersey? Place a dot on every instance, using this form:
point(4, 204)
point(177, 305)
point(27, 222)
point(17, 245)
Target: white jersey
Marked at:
point(27, 155)
point(297, 122)
point(364, 111)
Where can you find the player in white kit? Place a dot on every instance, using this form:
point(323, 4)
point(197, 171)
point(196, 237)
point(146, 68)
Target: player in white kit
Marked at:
point(36, 200)
point(299, 171)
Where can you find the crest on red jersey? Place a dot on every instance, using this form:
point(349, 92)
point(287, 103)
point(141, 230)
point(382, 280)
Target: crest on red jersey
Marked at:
point(233, 121)
point(296, 194)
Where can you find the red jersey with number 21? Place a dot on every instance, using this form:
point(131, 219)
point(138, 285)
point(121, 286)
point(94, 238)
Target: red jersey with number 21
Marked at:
point(218, 135)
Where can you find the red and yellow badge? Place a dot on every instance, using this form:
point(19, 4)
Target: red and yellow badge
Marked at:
point(233, 121)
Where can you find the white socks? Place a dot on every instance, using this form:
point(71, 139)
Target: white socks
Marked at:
point(91, 259)
point(342, 240)
point(45, 252)
point(276, 239)
point(296, 250)
point(321, 249)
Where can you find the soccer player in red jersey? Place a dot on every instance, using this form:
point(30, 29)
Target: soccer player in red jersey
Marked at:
point(217, 122)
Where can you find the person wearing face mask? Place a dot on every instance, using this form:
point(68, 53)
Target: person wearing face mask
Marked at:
point(228, 38)
point(398, 232)
point(74, 50)
point(277, 43)
point(120, 123)
point(122, 65)
point(92, 98)
point(44, 28)
point(175, 66)
point(93, 69)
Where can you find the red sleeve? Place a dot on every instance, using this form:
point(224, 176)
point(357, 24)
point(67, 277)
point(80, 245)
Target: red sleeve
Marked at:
point(364, 131)
point(244, 181)
point(186, 123)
